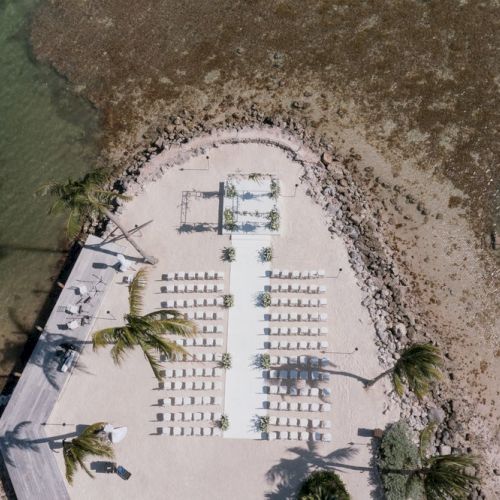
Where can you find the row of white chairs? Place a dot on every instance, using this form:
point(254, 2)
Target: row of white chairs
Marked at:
point(298, 317)
point(207, 315)
point(193, 288)
point(284, 344)
point(294, 406)
point(285, 274)
point(211, 329)
point(313, 423)
point(297, 330)
point(295, 302)
point(192, 372)
point(312, 361)
point(191, 431)
point(300, 436)
point(200, 357)
point(191, 400)
point(296, 288)
point(193, 386)
point(205, 416)
point(284, 390)
point(296, 375)
point(194, 275)
point(200, 342)
point(175, 304)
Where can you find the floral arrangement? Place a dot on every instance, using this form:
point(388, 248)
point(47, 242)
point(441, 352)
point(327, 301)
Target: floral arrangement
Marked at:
point(275, 189)
point(229, 254)
point(228, 300)
point(264, 361)
point(273, 218)
point(262, 423)
point(267, 254)
point(226, 361)
point(223, 423)
point(229, 222)
point(231, 191)
point(265, 299)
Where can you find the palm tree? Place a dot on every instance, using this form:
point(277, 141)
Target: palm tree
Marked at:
point(442, 476)
point(89, 442)
point(418, 366)
point(146, 331)
point(323, 485)
point(86, 198)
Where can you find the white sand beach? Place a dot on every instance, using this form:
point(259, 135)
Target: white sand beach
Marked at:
point(178, 217)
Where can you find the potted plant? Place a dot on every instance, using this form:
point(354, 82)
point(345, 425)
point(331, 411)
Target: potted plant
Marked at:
point(265, 299)
point(231, 190)
point(264, 361)
point(262, 423)
point(275, 189)
point(267, 254)
point(229, 254)
point(273, 218)
point(227, 361)
point(223, 423)
point(228, 300)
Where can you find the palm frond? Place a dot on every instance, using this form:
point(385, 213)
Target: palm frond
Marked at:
point(73, 224)
point(153, 362)
point(446, 477)
point(398, 384)
point(104, 337)
point(426, 437)
point(126, 342)
point(70, 462)
point(165, 346)
point(87, 443)
point(92, 429)
point(419, 365)
point(164, 314)
point(110, 196)
point(136, 290)
point(170, 321)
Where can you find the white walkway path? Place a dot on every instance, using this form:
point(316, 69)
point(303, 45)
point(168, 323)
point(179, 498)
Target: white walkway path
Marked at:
point(244, 397)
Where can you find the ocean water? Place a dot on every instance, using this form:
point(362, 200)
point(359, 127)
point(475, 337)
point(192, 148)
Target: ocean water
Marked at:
point(45, 133)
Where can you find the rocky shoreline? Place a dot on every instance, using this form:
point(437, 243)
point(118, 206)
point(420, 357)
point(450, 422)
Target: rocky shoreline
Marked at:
point(329, 177)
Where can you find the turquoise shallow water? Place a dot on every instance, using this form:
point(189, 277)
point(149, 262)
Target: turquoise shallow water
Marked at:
point(45, 133)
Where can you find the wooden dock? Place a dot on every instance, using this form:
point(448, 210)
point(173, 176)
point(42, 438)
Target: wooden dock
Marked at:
point(24, 444)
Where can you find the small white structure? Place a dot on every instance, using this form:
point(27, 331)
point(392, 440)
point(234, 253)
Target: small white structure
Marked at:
point(251, 205)
point(123, 263)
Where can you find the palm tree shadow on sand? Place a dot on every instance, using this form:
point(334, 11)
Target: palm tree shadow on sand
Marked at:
point(288, 474)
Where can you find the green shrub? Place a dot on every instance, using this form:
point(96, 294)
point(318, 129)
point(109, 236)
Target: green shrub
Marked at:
point(265, 299)
point(267, 254)
point(229, 254)
point(231, 191)
point(275, 189)
point(223, 423)
point(398, 452)
point(262, 423)
point(274, 219)
point(229, 222)
point(228, 300)
point(323, 484)
point(227, 361)
point(264, 361)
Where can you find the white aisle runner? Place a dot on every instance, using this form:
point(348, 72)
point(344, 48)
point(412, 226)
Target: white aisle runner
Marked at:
point(244, 396)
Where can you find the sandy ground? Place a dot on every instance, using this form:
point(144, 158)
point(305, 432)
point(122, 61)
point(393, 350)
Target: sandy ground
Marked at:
point(167, 467)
